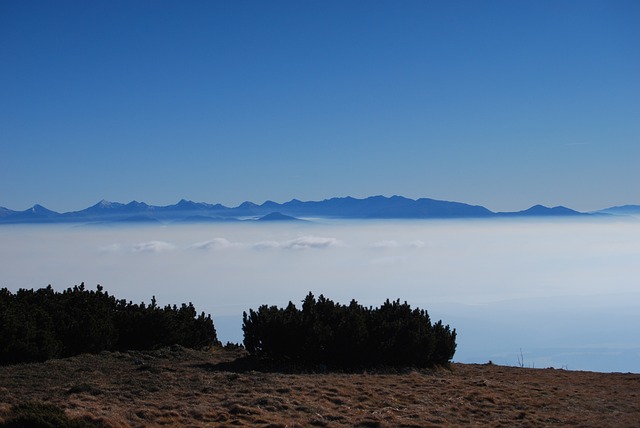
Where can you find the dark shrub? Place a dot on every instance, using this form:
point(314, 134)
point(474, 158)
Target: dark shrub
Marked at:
point(41, 324)
point(327, 333)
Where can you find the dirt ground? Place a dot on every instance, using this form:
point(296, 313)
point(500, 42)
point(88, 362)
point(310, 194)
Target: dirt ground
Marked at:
point(181, 387)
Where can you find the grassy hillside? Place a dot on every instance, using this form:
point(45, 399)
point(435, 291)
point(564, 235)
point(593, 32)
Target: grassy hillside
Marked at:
point(176, 386)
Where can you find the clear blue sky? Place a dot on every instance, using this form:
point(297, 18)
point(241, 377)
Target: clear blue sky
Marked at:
point(499, 103)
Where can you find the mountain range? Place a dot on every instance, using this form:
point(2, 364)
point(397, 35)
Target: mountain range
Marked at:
point(374, 207)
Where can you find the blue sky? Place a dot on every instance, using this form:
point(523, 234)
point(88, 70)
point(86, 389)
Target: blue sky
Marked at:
point(505, 104)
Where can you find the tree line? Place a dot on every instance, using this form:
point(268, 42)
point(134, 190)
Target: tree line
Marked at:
point(36, 325)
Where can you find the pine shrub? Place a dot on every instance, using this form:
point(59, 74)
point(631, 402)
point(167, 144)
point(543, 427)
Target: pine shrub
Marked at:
point(36, 325)
point(341, 336)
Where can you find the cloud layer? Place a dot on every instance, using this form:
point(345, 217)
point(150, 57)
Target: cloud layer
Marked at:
point(470, 273)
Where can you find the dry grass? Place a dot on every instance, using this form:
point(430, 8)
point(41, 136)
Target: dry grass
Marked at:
point(181, 387)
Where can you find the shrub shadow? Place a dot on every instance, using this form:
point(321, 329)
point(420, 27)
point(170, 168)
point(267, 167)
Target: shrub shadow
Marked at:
point(250, 363)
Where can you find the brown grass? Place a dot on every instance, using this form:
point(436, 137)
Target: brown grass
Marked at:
point(181, 387)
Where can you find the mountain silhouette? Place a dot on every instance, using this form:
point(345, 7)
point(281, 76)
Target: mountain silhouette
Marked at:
point(374, 207)
point(276, 216)
point(624, 210)
point(542, 211)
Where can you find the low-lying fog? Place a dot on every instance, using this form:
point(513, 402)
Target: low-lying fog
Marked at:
point(561, 293)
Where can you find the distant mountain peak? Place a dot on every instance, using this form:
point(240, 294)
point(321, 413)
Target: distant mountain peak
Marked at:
point(137, 204)
point(276, 216)
point(186, 203)
point(625, 210)
point(556, 209)
point(543, 211)
point(398, 197)
point(106, 204)
point(39, 209)
point(248, 204)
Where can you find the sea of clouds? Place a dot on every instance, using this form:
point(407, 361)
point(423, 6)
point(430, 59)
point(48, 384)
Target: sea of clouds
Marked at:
point(561, 293)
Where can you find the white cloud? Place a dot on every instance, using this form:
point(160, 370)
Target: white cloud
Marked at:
point(266, 245)
point(152, 247)
point(301, 243)
point(213, 244)
point(306, 242)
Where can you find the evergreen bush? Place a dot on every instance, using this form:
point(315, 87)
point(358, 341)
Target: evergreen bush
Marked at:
point(331, 334)
point(36, 325)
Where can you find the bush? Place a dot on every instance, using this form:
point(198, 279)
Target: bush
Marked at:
point(327, 333)
point(36, 325)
